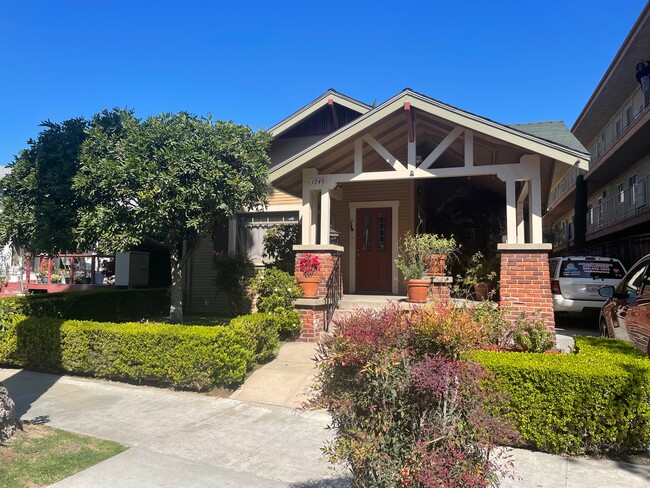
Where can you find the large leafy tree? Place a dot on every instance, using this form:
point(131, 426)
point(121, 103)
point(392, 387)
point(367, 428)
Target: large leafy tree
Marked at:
point(171, 179)
point(39, 206)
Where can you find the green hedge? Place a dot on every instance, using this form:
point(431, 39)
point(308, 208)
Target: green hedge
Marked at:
point(594, 401)
point(192, 357)
point(110, 305)
point(265, 329)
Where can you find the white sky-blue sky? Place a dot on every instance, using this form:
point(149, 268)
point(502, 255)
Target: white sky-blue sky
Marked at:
point(257, 62)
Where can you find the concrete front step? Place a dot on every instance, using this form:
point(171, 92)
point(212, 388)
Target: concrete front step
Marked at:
point(350, 302)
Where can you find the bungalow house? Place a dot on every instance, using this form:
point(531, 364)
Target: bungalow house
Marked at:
point(374, 173)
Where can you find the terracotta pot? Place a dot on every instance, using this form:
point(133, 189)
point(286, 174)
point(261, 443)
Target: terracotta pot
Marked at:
point(417, 290)
point(435, 264)
point(481, 291)
point(309, 286)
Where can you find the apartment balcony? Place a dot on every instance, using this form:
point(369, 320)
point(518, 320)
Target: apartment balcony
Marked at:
point(621, 211)
point(608, 160)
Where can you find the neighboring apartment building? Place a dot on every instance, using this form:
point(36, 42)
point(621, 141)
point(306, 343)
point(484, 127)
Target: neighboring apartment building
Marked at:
point(615, 127)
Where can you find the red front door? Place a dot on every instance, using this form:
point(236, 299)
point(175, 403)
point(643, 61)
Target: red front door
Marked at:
point(374, 253)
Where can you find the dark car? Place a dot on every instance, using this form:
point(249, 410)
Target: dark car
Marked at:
point(626, 313)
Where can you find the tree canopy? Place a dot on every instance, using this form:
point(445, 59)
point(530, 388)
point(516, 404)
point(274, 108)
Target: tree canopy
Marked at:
point(170, 178)
point(39, 206)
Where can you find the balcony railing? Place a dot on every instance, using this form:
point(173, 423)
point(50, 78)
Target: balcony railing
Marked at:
point(617, 126)
point(620, 207)
point(565, 183)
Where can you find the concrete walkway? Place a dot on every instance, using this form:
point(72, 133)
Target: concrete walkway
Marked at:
point(285, 381)
point(182, 439)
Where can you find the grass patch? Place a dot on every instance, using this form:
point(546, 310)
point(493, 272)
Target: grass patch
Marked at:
point(39, 456)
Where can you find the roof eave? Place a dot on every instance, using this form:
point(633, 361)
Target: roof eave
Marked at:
point(466, 119)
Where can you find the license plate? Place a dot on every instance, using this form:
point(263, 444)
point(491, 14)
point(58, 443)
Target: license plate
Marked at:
point(593, 289)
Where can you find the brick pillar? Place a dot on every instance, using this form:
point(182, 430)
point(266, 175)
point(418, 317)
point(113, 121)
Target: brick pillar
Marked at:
point(313, 311)
point(525, 284)
point(439, 290)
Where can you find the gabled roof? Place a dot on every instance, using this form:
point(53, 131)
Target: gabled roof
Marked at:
point(301, 114)
point(434, 107)
point(553, 131)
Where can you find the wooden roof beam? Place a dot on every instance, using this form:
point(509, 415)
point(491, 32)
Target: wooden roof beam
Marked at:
point(335, 117)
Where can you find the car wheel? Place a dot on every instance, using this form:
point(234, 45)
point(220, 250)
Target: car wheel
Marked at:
point(603, 328)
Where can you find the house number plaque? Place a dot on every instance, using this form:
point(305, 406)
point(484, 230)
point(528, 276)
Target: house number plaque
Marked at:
point(318, 181)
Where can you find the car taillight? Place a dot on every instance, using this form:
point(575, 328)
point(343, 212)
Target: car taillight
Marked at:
point(555, 287)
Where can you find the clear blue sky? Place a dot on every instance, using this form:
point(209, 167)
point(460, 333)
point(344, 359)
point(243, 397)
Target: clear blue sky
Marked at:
point(257, 62)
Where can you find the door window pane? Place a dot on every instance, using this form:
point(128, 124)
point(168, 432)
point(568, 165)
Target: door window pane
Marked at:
point(381, 232)
point(366, 233)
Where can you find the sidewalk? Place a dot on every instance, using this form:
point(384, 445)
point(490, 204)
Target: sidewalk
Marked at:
point(193, 440)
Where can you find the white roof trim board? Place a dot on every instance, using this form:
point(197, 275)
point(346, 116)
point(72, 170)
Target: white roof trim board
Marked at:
point(433, 107)
point(316, 105)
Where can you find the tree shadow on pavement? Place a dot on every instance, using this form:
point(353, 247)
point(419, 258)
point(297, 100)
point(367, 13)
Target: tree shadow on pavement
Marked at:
point(25, 387)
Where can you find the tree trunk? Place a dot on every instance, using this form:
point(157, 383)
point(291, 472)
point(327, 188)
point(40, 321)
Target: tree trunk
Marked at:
point(176, 305)
point(7, 415)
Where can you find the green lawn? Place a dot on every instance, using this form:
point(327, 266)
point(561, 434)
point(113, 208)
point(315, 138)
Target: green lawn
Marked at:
point(39, 456)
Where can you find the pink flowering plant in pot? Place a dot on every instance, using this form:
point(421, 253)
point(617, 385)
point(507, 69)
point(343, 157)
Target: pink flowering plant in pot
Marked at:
point(308, 265)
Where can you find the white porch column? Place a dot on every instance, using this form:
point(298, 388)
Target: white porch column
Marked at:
point(521, 228)
point(306, 213)
point(314, 216)
point(535, 204)
point(325, 217)
point(511, 211)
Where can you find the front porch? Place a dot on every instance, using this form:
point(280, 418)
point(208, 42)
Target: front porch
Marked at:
point(401, 166)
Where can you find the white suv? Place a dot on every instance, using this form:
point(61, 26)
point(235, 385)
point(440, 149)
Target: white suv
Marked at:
point(575, 281)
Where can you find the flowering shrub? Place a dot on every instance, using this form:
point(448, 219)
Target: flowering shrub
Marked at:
point(407, 410)
point(531, 335)
point(277, 291)
point(308, 265)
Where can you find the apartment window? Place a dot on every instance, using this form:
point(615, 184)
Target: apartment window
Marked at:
point(629, 115)
point(590, 214)
point(620, 191)
point(619, 126)
point(631, 184)
point(599, 210)
point(601, 143)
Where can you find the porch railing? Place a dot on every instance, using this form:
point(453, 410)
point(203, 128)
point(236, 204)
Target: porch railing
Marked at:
point(334, 291)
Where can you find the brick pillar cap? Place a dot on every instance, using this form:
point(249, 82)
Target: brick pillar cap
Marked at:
point(546, 247)
point(316, 248)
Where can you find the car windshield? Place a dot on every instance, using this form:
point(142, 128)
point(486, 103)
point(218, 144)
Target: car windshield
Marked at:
point(592, 269)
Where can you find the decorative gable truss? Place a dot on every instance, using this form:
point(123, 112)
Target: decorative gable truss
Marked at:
point(526, 170)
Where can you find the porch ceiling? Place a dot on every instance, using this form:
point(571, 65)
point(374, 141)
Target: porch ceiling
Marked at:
point(430, 130)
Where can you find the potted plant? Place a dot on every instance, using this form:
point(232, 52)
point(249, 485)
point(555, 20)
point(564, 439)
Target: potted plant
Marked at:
point(436, 249)
point(56, 278)
point(308, 265)
point(480, 280)
point(410, 262)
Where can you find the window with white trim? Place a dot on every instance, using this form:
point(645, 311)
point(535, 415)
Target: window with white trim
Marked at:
point(620, 191)
point(252, 227)
point(631, 184)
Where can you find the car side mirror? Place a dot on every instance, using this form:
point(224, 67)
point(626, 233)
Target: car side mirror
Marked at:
point(606, 291)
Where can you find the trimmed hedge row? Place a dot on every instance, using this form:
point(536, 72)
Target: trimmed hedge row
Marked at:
point(189, 357)
point(594, 401)
point(110, 305)
point(265, 329)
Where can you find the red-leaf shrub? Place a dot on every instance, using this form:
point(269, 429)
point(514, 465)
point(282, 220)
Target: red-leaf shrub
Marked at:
point(406, 409)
